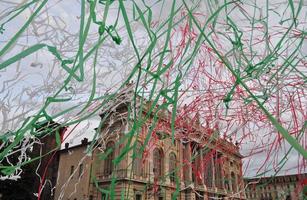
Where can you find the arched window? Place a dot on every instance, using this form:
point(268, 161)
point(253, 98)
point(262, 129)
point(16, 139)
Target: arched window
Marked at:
point(218, 160)
point(108, 164)
point(208, 170)
point(233, 182)
point(227, 182)
point(185, 157)
point(158, 162)
point(172, 167)
point(137, 160)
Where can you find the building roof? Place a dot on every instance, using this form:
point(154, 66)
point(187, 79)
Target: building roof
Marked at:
point(272, 178)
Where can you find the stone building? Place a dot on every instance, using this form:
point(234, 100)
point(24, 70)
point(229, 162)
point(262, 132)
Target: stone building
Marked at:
point(141, 160)
point(289, 187)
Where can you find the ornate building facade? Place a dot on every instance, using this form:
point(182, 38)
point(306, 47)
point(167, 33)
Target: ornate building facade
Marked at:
point(289, 187)
point(138, 155)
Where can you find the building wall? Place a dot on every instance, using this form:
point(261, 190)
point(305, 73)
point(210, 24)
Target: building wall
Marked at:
point(74, 174)
point(129, 185)
point(280, 187)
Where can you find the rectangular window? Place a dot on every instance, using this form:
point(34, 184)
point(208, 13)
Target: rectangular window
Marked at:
point(72, 168)
point(80, 169)
point(186, 195)
point(199, 196)
point(138, 197)
point(173, 197)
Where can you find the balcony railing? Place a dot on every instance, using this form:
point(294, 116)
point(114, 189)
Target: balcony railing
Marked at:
point(122, 174)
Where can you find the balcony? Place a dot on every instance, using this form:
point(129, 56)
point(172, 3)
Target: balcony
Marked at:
point(122, 174)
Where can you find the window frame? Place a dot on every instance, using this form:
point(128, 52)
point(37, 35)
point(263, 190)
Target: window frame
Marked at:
point(172, 166)
point(108, 163)
point(137, 161)
point(80, 169)
point(158, 160)
point(72, 169)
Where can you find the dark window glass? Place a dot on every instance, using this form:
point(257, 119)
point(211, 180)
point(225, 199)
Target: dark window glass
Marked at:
point(208, 171)
point(137, 161)
point(80, 169)
point(234, 182)
point(218, 170)
point(103, 196)
point(158, 162)
point(108, 167)
point(172, 166)
point(138, 197)
point(200, 196)
point(186, 196)
point(174, 197)
point(72, 168)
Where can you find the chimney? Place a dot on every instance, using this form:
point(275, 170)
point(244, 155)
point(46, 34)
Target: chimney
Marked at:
point(84, 141)
point(66, 145)
point(237, 143)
